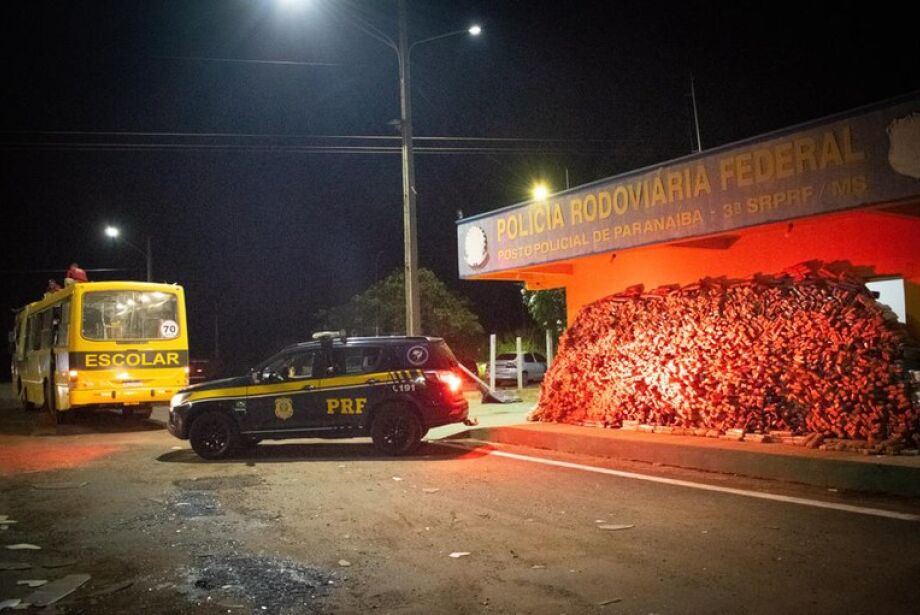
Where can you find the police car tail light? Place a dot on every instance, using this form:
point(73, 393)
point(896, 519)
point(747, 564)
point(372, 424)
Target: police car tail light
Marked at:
point(451, 380)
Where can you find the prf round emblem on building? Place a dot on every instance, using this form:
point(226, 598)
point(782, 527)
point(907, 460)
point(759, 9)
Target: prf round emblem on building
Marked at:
point(284, 409)
point(475, 247)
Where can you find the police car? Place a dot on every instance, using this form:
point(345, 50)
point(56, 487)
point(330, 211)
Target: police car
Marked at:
point(393, 389)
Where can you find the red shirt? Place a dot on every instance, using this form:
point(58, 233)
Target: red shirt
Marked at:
point(77, 274)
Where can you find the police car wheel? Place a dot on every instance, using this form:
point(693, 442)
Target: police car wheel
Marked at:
point(396, 430)
point(214, 435)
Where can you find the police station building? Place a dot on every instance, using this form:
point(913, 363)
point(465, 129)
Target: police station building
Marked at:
point(843, 188)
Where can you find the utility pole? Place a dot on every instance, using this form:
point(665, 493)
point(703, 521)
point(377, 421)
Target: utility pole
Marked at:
point(413, 309)
point(696, 117)
point(216, 334)
point(149, 261)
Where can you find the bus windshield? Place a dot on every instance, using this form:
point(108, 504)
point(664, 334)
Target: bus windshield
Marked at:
point(130, 315)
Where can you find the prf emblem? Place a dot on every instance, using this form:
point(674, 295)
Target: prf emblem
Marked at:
point(284, 409)
point(345, 405)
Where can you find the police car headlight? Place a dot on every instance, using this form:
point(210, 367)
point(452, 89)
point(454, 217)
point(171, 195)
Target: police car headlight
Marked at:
point(178, 399)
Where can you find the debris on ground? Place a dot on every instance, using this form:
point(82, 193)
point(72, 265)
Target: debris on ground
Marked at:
point(55, 486)
point(538, 567)
point(54, 591)
point(614, 528)
point(430, 490)
point(57, 562)
point(191, 504)
point(111, 589)
point(396, 478)
point(15, 565)
point(275, 585)
point(344, 563)
point(611, 601)
point(23, 546)
point(457, 554)
point(11, 603)
point(32, 582)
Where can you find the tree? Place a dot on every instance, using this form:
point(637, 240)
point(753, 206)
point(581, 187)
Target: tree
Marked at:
point(381, 310)
point(547, 308)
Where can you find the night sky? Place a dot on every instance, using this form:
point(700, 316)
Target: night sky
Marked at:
point(265, 235)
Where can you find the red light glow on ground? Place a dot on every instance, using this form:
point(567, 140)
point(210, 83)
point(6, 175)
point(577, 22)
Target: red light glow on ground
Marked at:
point(30, 456)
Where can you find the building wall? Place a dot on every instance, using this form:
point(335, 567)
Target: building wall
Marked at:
point(885, 244)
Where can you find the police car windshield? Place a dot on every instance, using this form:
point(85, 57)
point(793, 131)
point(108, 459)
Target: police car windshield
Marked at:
point(129, 315)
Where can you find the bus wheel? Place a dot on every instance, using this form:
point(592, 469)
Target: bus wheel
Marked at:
point(136, 413)
point(24, 397)
point(51, 405)
point(214, 435)
point(143, 413)
point(396, 430)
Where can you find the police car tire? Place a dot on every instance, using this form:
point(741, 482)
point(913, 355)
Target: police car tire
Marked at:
point(214, 435)
point(396, 430)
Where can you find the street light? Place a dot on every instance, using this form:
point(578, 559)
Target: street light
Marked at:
point(403, 49)
point(540, 191)
point(114, 232)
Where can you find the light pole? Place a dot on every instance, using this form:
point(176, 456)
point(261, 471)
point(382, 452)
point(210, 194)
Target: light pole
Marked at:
point(403, 53)
point(115, 233)
point(403, 49)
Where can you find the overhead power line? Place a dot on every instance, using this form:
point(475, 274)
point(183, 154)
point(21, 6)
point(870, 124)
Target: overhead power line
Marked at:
point(232, 135)
point(294, 144)
point(244, 61)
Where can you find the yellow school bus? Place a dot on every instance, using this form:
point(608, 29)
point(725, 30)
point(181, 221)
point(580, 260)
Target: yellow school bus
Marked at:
point(114, 344)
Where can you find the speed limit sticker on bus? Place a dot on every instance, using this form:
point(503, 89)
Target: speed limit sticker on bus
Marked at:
point(169, 328)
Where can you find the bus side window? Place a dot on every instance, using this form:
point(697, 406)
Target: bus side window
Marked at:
point(34, 335)
point(62, 331)
point(47, 324)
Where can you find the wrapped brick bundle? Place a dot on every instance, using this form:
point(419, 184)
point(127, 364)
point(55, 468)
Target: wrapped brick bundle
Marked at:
point(808, 351)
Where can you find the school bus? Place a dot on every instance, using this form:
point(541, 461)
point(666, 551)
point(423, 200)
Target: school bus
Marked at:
point(108, 344)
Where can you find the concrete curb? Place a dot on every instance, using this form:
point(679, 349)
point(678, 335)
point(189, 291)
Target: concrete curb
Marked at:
point(889, 475)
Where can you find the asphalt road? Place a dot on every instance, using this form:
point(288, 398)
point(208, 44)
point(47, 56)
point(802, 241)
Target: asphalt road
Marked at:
point(312, 526)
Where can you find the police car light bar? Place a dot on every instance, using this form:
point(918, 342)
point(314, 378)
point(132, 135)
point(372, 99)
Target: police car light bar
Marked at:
point(324, 335)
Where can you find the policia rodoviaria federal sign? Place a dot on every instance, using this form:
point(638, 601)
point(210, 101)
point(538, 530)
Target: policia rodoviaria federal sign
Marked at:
point(868, 156)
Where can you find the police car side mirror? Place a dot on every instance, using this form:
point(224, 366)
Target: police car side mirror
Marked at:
point(268, 376)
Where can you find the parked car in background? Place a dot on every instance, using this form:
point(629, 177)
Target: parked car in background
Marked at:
point(199, 370)
point(533, 368)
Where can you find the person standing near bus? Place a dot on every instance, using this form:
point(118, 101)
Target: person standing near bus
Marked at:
point(74, 275)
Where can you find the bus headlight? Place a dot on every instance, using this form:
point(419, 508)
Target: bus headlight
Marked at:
point(178, 399)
